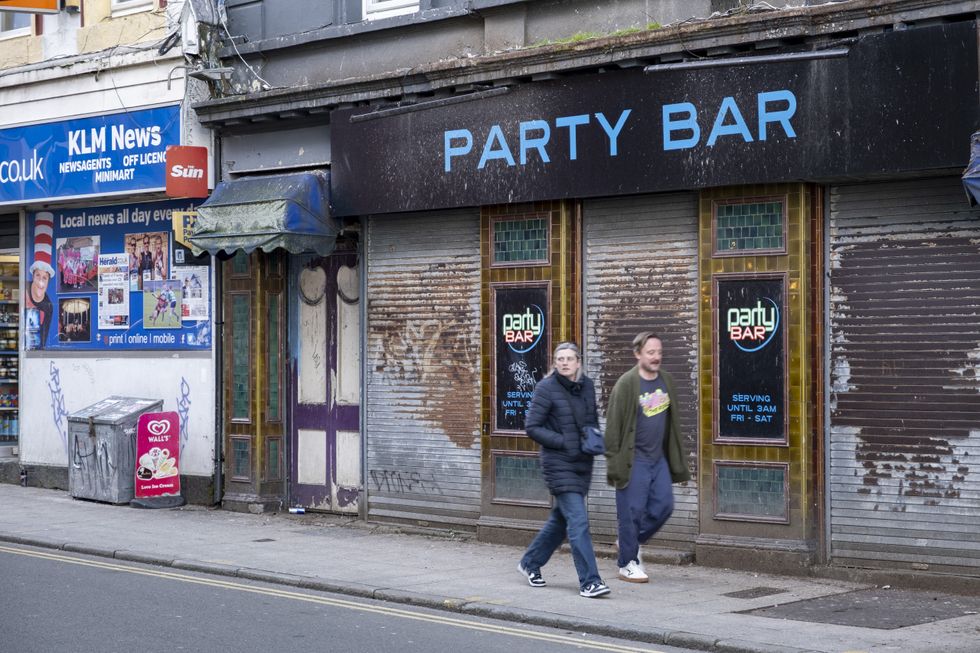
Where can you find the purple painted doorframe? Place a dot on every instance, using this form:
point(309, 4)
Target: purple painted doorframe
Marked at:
point(317, 424)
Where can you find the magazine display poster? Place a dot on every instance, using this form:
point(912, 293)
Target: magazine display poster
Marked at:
point(113, 309)
point(103, 278)
point(194, 283)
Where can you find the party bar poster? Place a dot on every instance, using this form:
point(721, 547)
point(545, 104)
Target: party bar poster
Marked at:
point(105, 278)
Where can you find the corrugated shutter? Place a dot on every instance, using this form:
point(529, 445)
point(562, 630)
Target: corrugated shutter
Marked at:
point(641, 272)
point(905, 375)
point(423, 376)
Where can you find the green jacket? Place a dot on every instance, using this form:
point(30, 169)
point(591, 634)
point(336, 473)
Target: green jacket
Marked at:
point(624, 402)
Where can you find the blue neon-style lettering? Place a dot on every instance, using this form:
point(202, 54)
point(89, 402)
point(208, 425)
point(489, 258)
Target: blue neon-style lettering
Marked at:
point(782, 116)
point(528, 143)
point(450, 150)
point(687, 123)
point(503, 152)
point(739, 127)
point(613, 132)
point(572, 122)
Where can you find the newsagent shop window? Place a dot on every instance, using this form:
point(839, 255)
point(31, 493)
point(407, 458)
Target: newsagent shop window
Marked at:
point(750, 226)
point(122, 7)
point(386, 8)
point(519, 240)
point(14, 23)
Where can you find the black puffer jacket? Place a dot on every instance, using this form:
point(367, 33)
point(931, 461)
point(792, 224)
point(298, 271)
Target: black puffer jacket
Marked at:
point(551, 423)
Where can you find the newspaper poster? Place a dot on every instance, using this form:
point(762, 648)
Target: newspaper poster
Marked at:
point(161, 304)
point(194, 281)
point(113, 291)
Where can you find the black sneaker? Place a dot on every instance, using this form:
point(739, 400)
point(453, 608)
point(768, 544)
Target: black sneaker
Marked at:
point(534, 578)
point(594, 590)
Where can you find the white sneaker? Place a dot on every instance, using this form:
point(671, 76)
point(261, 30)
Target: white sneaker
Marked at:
point(633, 573)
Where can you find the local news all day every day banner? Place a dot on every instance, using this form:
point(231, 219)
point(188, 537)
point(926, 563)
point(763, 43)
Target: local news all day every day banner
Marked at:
point(114, 282)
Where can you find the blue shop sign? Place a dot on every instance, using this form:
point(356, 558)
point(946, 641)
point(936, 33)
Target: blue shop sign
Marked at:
point(103, 155)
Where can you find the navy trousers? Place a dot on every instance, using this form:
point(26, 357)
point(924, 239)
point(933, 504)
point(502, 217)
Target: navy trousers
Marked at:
point(643, 506)
point(568, 517)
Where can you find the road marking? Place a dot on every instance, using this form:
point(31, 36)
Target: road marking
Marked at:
point(337, 603)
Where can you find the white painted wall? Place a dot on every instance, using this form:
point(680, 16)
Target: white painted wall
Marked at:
point(72, 82)
point(53, 388)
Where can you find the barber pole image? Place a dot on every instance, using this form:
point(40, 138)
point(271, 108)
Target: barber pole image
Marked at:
point(158, 455)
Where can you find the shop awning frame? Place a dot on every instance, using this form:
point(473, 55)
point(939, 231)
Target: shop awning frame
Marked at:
point(289, 211)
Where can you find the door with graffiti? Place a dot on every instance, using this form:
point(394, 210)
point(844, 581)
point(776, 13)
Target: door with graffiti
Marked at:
point(325, 439)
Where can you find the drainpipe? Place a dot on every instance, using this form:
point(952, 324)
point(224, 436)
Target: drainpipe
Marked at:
point(826, 374)
point(218, 340)
point(362, 504)
point(217, 336)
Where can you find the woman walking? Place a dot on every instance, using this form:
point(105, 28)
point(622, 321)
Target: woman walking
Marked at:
point(562, 405)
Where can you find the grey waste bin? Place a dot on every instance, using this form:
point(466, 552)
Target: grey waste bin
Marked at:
point(102, 448)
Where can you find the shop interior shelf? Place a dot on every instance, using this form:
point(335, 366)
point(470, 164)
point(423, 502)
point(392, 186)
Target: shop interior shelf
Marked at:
point(8, 301)
point(8, 380)
point(8, 325)
point(9, 409)
point(8, 352)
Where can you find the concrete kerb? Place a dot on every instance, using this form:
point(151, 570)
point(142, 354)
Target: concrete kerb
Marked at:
point(742, 646)
point(445, 603)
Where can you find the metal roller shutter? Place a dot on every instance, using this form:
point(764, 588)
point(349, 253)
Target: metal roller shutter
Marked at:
point(905, 376)
point(641, 272)
point(423, 369)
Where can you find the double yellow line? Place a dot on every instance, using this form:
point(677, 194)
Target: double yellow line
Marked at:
point(334, 602)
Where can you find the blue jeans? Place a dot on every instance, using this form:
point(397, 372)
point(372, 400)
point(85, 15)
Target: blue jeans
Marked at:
point(567, 517)
point(643, 506)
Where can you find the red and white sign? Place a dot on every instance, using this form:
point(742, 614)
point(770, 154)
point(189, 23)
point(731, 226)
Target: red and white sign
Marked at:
point(158, 455)
point(187, 171)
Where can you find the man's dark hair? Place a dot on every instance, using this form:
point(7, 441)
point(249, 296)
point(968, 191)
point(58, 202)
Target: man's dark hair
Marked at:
point(641, 339)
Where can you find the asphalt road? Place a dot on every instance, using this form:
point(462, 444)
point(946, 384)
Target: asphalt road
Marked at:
point(69, 603)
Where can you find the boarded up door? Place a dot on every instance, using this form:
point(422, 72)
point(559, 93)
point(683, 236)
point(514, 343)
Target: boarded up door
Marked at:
point(905, 375)
point(641, 273)
point(325, 440)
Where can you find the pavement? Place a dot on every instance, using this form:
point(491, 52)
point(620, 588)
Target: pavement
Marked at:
point(687, 606)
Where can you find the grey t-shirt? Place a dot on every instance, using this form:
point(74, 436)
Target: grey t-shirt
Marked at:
point(651, 419)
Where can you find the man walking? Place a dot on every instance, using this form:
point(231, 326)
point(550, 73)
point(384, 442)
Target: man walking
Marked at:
point(645, 452)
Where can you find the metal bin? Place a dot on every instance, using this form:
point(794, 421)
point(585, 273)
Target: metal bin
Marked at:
point(102, 448)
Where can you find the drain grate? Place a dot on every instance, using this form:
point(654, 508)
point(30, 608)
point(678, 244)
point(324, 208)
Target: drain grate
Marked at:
point(754, 593)
point(264, 539)
point(884, 609)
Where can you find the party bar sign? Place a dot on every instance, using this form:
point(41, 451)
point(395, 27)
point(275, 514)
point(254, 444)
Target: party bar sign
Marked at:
point(751, 357)
point(102, 155)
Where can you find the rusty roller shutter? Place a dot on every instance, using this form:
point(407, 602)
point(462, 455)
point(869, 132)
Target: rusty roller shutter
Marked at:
point(905, 362)
point(641, 272)
point(423, 368)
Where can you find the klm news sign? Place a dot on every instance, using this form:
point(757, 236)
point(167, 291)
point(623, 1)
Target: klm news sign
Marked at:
point(889, 102)
point(103, 155)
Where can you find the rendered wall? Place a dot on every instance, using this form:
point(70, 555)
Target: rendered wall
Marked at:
point(53, 388)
